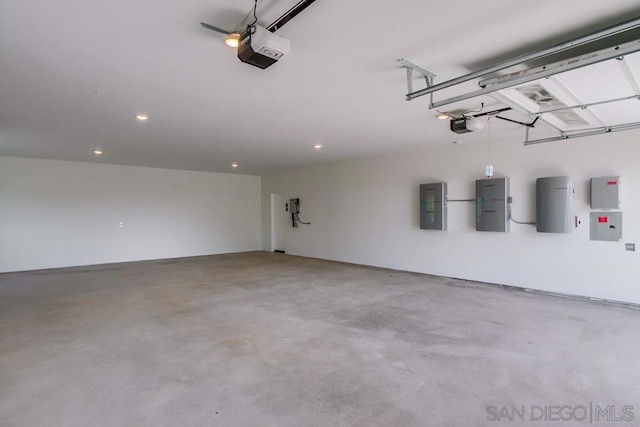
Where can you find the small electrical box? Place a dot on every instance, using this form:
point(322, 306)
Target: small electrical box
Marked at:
point(294, 206)
point(294, 210)
point(554, 211)
point(606, 226)
point(491, 204)
point(433, 206)
point(605, 192)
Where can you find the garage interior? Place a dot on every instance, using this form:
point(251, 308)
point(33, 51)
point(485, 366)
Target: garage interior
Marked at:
point(367, 214)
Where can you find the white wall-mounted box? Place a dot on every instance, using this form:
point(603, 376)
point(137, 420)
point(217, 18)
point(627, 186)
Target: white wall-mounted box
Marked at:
point(605, 192)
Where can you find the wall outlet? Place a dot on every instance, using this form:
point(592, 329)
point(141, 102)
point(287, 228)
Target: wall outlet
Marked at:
point(631, 247)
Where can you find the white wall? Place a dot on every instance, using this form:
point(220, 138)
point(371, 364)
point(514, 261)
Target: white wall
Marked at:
point(367, 212)
point(279, 222)
point(58, 214)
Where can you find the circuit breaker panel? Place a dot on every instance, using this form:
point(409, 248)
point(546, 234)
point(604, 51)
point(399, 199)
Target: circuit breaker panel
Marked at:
point(554, 207)
point(433, 206)
point(492, 196)
point(606, 226)
point(605, 192)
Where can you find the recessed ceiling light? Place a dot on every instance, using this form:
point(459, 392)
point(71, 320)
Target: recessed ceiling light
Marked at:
point(234, 165)
point(317, 146)
point(443, 116)
point(97, 152)
point(232, 40)
point(142, 117)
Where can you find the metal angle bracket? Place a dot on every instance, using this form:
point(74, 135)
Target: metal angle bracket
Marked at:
point(411, 67)
point(579, 134)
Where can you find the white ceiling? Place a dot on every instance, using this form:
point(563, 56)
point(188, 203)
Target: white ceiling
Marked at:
point(340, 85)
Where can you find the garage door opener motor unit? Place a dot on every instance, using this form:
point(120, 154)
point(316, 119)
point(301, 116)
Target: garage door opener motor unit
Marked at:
point(262, 48)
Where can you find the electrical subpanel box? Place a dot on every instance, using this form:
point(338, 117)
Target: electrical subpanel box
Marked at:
point(605, 192)
point(554, 205)
point(294, 206)
point(294, 210)
point(492, 196)
point(606, 226)
point(433, 206)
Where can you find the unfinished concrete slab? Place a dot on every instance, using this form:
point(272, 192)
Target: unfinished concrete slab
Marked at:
point(260, 339)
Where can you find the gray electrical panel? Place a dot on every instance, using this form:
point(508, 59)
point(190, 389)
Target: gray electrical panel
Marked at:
point(605, 192)
point(491, 204)
point(606, 226)
point(554, 207)
point(433, 206)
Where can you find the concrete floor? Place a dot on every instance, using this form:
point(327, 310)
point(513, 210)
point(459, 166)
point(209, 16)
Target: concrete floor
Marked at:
point(263, 339)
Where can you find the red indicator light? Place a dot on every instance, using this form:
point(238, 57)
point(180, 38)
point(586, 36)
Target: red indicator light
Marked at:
point(612, 182)
point(603, 219)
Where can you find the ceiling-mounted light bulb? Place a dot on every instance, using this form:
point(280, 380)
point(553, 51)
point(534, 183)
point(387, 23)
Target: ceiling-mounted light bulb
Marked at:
point(232, 40)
